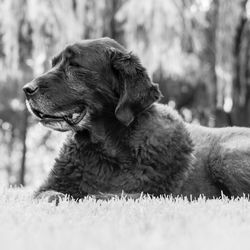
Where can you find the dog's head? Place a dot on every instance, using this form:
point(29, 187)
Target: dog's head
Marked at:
point(92, 78)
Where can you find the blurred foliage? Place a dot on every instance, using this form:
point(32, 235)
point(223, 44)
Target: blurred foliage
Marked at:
point(197, 50)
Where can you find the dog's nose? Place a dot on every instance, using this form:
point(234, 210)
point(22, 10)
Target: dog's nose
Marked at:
point(30, 88)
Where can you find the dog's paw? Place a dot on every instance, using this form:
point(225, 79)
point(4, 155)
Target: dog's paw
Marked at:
point(51, 196)
point(103, 196)
point(123, 195)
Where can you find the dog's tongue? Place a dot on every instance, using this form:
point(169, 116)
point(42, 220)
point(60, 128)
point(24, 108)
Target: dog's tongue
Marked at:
point(75, 117)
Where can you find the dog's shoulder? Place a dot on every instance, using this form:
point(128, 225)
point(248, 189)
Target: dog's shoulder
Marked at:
point(163, 128)
point(159, 117)
point(160, 120)
point(162, 142)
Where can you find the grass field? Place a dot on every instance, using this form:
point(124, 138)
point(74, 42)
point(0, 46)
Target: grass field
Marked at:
point(119, 224)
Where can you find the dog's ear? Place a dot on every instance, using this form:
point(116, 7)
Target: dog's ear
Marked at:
point(137, 92)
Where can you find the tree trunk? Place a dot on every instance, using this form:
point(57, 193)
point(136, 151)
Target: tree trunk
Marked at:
point(210, 54)
point(112, 27)
point(25, 53)
point(241, 82)
point(24, 147)
point(10, 152)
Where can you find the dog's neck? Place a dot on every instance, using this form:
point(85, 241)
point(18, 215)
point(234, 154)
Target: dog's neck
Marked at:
point(111, 135)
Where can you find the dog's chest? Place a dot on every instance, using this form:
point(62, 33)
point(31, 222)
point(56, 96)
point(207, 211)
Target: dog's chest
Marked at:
point(140, 166)
point(113, 171)
point(104, 173)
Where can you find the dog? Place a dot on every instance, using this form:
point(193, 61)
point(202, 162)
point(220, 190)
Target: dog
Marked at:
point(121, 139)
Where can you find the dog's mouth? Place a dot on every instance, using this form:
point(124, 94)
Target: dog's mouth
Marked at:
point(62, 121)
point(72, 118)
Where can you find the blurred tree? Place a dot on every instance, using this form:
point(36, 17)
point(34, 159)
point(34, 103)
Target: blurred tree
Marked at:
point(18, 72)
point(112, 27)
point(24, 55)
point(228, 18)
point(241, 83)
point(209, 58)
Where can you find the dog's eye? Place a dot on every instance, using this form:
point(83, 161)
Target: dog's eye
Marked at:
point(74, 64)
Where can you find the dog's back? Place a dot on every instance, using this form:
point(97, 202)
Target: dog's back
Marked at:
point(222, 161)
point(219, 161)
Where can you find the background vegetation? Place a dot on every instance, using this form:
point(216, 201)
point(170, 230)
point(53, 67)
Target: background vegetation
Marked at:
point(197, 50)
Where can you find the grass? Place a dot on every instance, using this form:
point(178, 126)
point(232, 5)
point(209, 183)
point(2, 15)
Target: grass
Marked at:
point(119, 224)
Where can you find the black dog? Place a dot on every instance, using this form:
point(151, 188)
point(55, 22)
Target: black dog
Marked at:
point(122, 140)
